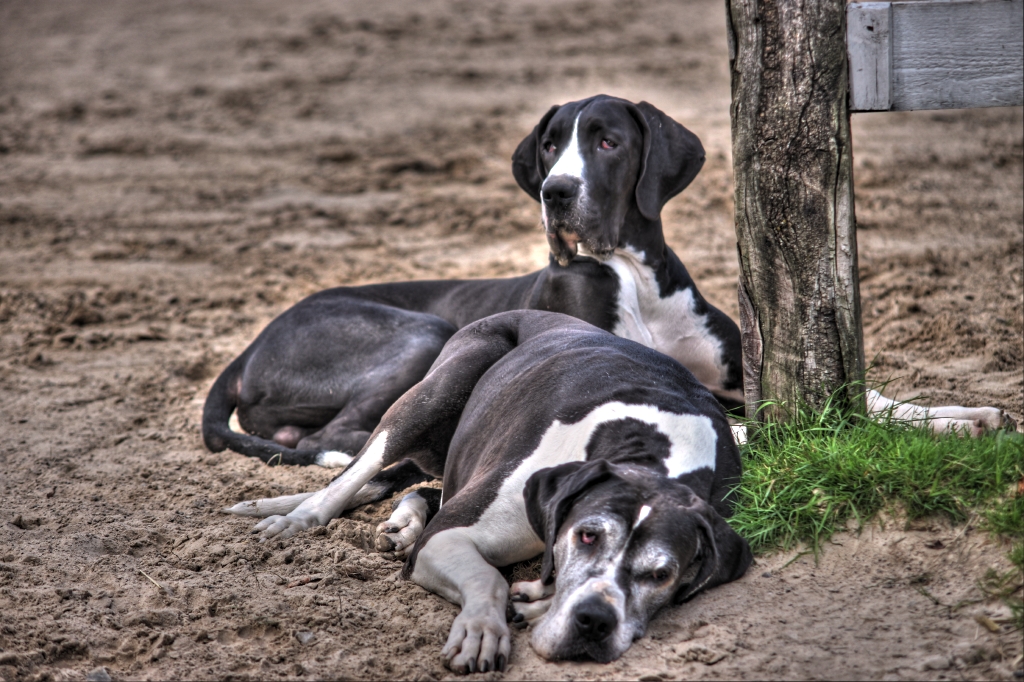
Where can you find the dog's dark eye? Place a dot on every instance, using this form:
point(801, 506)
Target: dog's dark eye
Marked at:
point(549, 147)
point(588, 538)
point(660, 575)
point(608, 144)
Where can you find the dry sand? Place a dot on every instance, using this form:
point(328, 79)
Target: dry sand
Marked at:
point(173, 175)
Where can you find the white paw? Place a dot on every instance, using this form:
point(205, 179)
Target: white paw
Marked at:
point(334, 459)
point(392, 537)
point(530, 590)
point(283, 527)
point(993, 419)
point(479, 642)
point(399, 533)
point(529, 601)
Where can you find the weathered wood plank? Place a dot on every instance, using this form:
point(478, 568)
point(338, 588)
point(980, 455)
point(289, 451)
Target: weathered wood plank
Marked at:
point(869, 42)
point(945, 54)
point(954, 55)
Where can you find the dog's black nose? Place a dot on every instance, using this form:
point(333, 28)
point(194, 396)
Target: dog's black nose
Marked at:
point(559, 191)
point(595, 620)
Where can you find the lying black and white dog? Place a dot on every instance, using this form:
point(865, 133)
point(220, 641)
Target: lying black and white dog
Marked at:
point(317, 380)
point(559, 438)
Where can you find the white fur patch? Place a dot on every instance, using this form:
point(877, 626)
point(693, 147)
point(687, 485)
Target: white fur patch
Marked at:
point(571, 161)
point(269, 506)
point(644, 513)
point(336, 497)
point(739, 433)
point(333, 459)
point(500, 530)
point(669, 325)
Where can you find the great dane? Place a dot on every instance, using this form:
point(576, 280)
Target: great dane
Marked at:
point(556, 438)
point(315, 382)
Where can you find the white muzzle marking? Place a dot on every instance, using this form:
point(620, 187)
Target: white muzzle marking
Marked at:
point(571, 161)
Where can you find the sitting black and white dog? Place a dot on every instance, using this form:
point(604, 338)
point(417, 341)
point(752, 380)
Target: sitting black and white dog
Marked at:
point(317, 380)
point(553, 437)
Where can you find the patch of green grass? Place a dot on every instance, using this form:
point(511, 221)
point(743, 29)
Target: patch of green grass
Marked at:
point(806, 479)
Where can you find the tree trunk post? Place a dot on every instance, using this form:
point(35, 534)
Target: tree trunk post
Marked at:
point(795, 226)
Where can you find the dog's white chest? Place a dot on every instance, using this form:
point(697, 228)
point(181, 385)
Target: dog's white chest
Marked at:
point(669, 325)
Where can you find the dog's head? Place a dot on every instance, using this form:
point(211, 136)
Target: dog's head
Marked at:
point(598, 162)
point(620, 543)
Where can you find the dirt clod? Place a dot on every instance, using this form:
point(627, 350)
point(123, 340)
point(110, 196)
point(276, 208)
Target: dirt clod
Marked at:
point(99, 674)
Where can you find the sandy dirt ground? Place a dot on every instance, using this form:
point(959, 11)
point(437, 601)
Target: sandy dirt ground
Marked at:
point(175, 174)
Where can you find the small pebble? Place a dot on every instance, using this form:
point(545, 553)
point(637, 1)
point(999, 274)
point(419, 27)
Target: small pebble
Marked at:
point(98, 675)
point(766, 574)
point(935, 663)
point(305, 636)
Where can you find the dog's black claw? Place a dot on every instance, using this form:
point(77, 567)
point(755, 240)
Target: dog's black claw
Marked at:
point(499, 663)
point(486, 667)
point(518, 618)
point(471, 665)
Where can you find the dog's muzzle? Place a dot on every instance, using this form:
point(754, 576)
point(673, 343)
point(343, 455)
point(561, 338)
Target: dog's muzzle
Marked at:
point(566, 221)
point(594, 620)
point(558, 194)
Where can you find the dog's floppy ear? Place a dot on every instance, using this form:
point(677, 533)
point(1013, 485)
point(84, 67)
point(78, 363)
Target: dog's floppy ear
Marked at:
point(723, 555)
point(549, 495)
point(672, 157)
point(526, 165)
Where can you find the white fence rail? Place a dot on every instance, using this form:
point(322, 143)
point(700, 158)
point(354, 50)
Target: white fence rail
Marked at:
point(935, 54)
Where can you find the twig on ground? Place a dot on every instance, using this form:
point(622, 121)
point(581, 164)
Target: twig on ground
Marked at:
point(987, 623)
point(801, 554)
point(928, 594)
point(305, 580)
point(150, 579)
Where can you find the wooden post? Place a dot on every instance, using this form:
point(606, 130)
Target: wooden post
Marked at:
point(795, 226)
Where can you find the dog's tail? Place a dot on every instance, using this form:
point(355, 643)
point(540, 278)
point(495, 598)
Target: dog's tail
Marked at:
point(217, 434)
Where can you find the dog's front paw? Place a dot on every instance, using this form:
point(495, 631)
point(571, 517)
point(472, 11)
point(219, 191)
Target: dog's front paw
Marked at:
point(397, 539)
point(479, 642)
point(528, 601)
point(399, 533)
point(283, 527)
point(995, 419)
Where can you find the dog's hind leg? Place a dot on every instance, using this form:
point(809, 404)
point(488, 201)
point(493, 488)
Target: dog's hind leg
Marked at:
point(419, 426)
point(971, 421)
point(388, 482)
point(268, 506)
